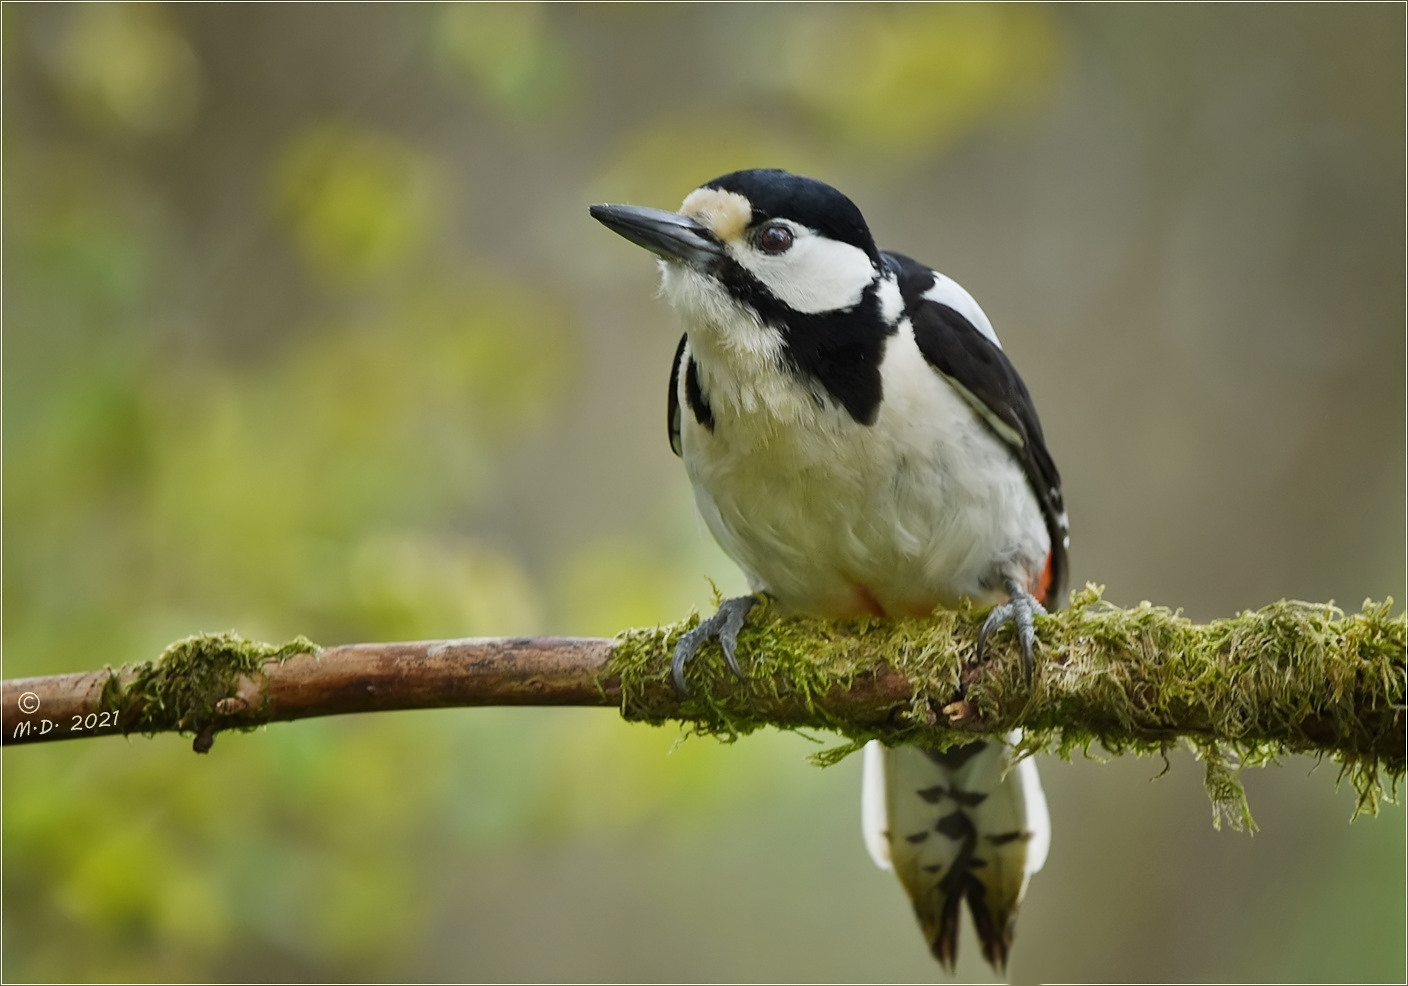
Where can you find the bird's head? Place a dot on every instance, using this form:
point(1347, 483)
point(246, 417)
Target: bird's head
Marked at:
point(762, 246)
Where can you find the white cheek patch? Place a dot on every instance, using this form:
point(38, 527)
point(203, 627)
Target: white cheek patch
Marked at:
point(816, 275)
point(946, 291)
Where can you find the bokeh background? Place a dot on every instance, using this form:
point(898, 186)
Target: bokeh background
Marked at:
point(307, 330)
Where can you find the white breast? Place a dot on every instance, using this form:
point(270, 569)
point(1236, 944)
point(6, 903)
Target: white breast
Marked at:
point(830, 516)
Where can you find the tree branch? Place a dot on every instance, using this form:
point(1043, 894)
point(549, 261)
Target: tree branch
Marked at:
point(1290, 678)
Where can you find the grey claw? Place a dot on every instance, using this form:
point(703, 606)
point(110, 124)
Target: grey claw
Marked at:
point(685, 650)
point(723, 626)
point(1020, 607)
point(728, 633)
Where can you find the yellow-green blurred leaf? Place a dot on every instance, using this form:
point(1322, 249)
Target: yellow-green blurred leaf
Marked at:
point(356, 202)
point(123, 66)
point(409, 587)
point(509, 51)
point(909, 78)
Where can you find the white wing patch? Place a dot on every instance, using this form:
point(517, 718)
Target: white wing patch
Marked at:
point(947, 291)
point(1008, 434)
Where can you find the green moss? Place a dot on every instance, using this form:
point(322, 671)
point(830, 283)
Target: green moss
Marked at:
point(1290, 678)
point(795, 668)
point(1224, 787)
point(180, 689)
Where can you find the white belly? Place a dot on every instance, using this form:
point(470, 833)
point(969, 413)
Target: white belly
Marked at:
point(832, 517)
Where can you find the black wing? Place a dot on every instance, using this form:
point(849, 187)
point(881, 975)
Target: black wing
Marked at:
point(672, 413)
point(980, 371)
point(698, 403)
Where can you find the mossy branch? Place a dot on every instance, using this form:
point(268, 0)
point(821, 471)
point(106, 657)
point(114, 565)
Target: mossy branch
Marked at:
point(1290, 678)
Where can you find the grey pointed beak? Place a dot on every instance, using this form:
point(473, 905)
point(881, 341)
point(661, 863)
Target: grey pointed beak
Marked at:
point(667, 234)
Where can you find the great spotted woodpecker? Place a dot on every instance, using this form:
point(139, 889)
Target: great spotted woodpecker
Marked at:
point(859, 443)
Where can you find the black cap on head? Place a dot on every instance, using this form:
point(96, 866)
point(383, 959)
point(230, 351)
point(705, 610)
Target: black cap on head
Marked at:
point(777, 194)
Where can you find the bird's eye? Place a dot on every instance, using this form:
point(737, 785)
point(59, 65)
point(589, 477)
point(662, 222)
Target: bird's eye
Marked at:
point(775, 239)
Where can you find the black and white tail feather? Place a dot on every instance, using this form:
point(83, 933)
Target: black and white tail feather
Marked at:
point(964, 826)
point(858, 442)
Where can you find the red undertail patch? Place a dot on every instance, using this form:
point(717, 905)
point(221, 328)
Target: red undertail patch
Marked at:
point(1043, 583)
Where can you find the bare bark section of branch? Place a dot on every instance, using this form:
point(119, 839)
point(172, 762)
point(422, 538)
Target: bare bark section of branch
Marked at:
point(354, 678)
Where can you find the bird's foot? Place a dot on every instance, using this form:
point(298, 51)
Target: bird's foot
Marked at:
point(723, 626)
point(1020, 608)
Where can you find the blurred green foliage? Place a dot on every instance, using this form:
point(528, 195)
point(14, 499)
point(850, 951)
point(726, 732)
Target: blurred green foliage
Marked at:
point(124, 68)
point(355, 202)
point(306, 331)
point(510, 52)
point(912, 78)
